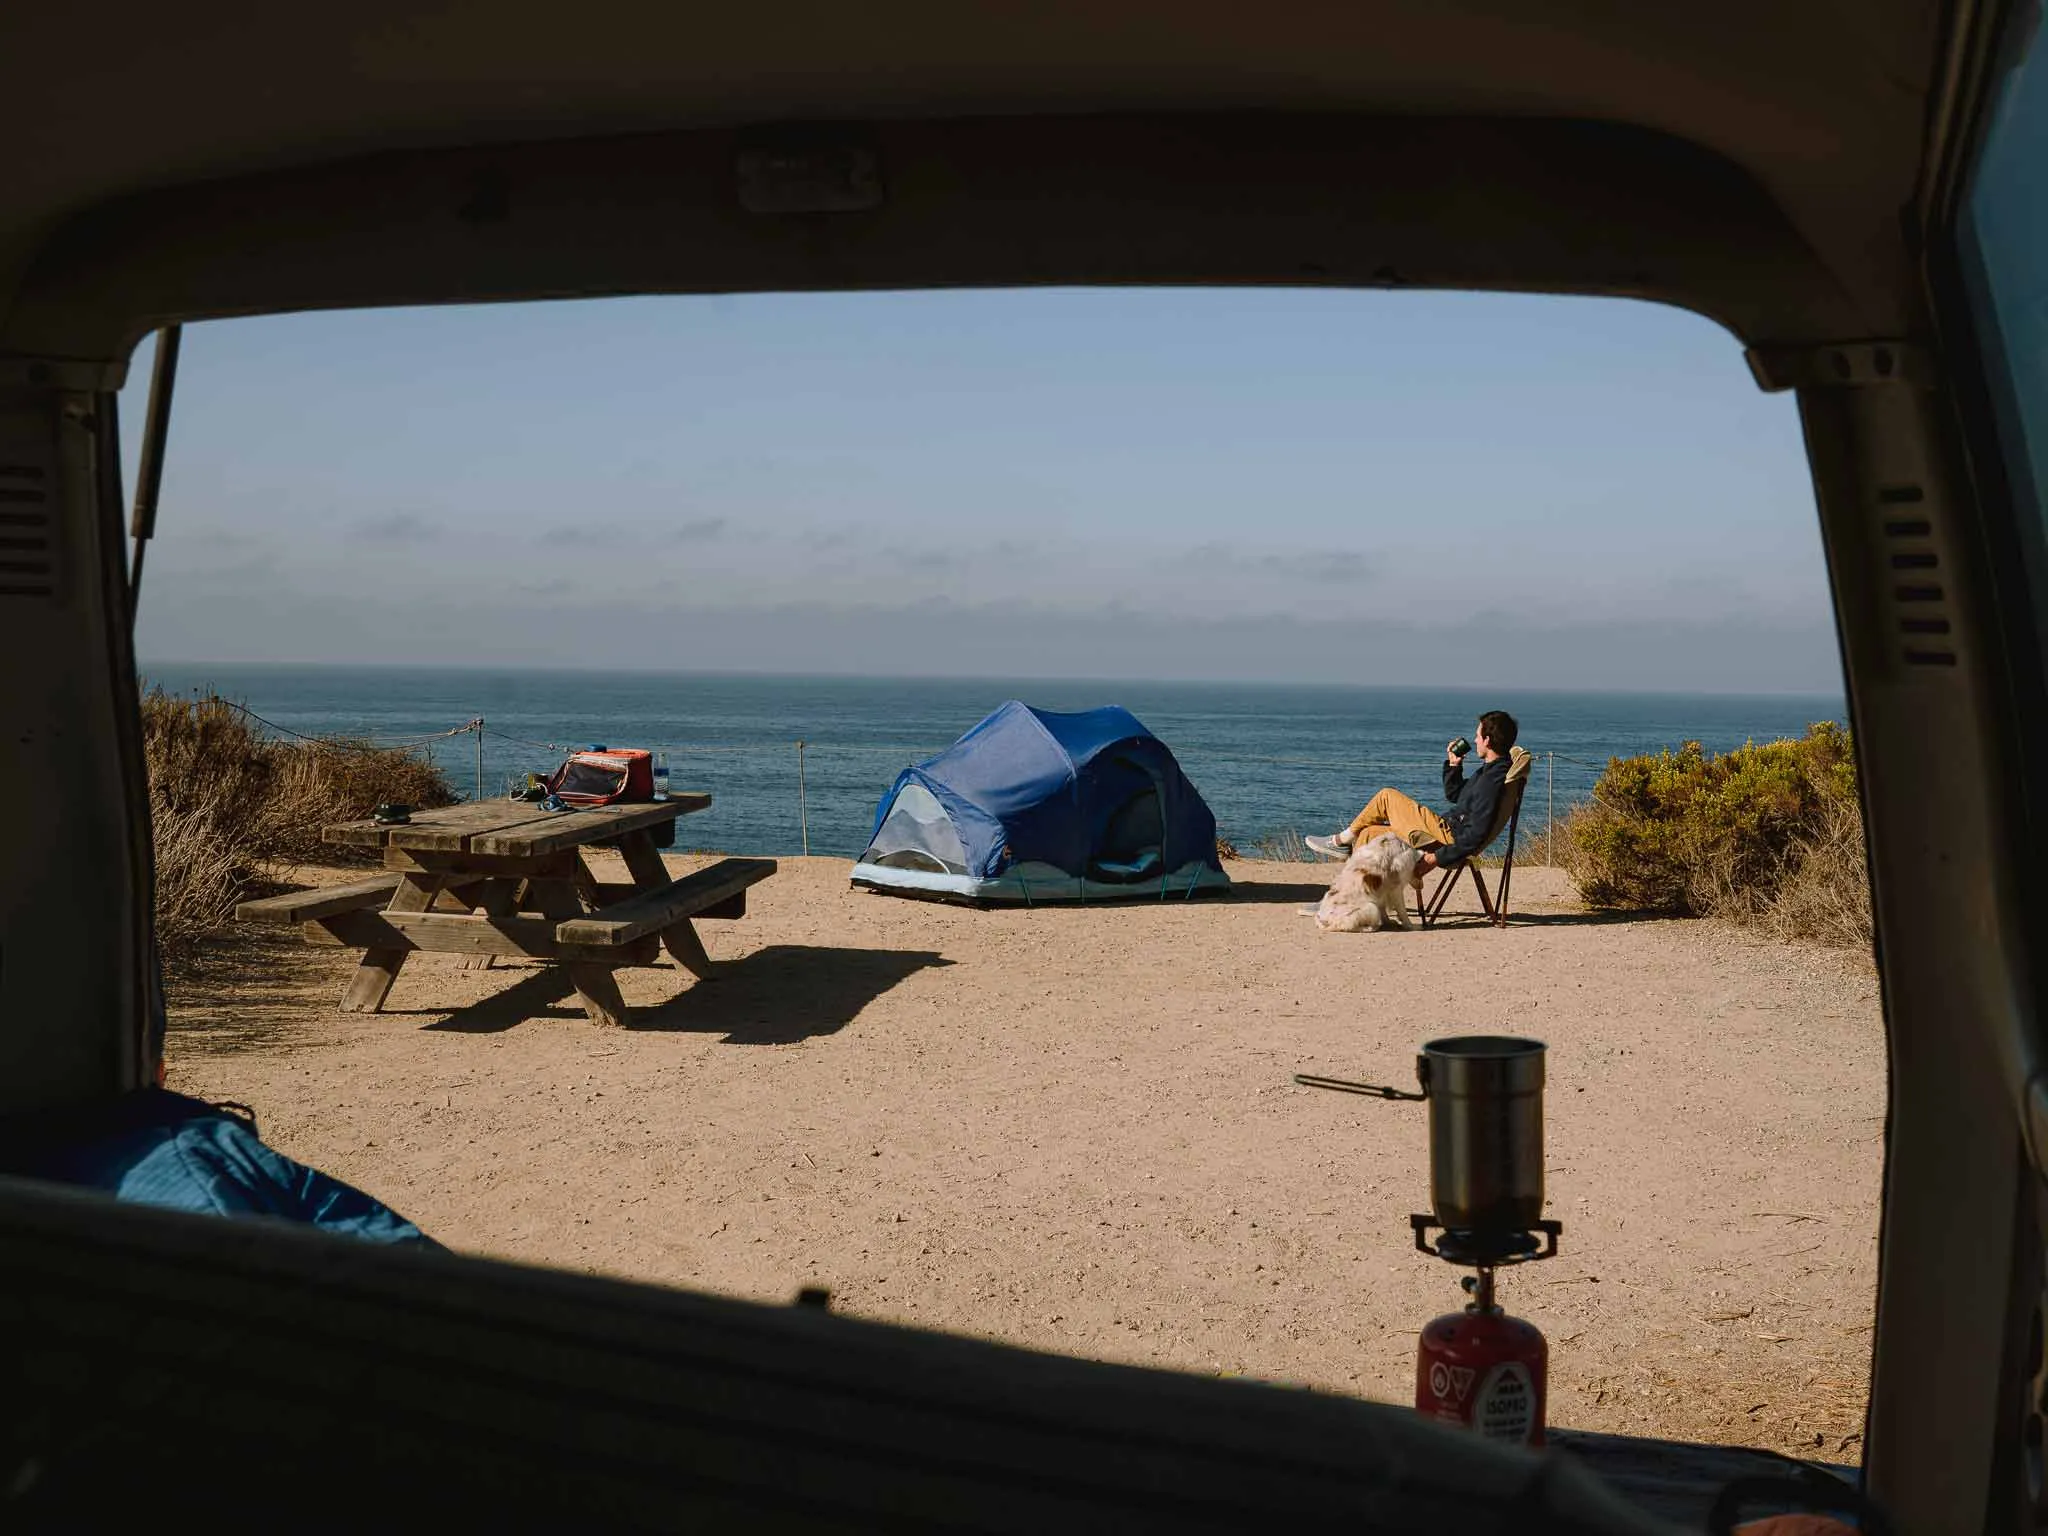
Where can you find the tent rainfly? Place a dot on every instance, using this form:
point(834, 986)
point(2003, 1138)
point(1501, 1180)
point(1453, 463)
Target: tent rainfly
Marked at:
point(1035, 806)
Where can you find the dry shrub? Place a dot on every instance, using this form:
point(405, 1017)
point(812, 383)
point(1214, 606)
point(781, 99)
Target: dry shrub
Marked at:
point(1770, 834)
point(201, 752)
point(231, 809)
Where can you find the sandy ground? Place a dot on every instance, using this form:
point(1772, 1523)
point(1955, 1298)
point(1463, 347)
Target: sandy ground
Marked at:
point(1076, 1130)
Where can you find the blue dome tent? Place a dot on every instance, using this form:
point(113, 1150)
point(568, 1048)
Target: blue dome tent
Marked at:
point(1036, 806)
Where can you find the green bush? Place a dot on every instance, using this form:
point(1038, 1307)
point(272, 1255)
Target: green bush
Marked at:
point(230, 808)
point(1768, 833)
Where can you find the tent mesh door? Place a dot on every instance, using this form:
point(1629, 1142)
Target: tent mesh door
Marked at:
point(917, 834)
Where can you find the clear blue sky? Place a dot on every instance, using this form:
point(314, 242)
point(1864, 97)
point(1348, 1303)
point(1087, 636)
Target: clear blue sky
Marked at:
point(1284, 485)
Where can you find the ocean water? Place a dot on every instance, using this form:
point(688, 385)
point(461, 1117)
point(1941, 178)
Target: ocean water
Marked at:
point(1269, 758)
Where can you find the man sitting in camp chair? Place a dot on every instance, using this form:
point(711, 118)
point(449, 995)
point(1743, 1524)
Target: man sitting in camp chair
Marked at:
point(1445, 841)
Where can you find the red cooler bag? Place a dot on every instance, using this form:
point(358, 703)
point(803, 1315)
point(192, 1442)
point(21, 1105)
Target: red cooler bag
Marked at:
point(621, 776)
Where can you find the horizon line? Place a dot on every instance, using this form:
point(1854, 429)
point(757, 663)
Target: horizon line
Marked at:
point(503, 670)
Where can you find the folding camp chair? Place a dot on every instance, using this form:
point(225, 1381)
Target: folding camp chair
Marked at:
point(1506, 819)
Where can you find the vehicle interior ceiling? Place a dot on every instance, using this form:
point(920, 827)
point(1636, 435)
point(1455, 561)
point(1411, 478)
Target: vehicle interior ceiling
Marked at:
point(1763, 162)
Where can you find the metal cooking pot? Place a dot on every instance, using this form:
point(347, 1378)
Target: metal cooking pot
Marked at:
point(1485, 1096)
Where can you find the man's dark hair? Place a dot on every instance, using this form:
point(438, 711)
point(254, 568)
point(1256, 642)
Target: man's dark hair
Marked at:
point(1500, 728)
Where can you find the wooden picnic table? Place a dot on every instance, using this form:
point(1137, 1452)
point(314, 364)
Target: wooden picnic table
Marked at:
point(505, 877)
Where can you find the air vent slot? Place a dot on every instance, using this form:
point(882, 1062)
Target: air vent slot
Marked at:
point(1914, 553)
point(28, 534)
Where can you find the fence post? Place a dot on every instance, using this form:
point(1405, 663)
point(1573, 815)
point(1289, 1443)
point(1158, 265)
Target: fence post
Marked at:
point(479, 726)
point(1550, 810)
point(802, 809)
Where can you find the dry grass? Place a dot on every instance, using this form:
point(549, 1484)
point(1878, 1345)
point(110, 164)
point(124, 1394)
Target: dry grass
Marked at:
point(1531, 848)
point(1538, 847)
point(1281, 846)
point(198, 875)
point(231, 810)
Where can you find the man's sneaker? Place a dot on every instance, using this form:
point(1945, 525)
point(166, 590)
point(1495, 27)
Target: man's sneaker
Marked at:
point(1327, 847)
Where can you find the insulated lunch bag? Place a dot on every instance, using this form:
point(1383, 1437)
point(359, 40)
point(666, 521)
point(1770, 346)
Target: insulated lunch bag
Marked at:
point(612, 777)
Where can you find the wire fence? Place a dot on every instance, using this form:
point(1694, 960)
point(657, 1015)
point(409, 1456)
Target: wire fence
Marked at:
point(1534, 846)
point(351, 743)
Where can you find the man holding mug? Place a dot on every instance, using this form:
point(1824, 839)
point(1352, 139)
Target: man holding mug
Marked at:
point(1446, 840)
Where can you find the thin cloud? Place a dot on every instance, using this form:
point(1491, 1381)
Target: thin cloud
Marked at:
point(1337, 566)
point(1334, 566)
point(207, 536)
point(842, 538)
point(570, 533)
point(394, 528)
point(927, 561)
point(618, 528)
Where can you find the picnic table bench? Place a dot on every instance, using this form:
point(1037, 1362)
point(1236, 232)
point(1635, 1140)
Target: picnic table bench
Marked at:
point(504, 877)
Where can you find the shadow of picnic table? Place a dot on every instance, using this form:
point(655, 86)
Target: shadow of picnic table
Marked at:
point(777, 995)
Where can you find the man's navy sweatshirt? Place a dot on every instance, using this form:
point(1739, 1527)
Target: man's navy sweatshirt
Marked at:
point(1474, 802)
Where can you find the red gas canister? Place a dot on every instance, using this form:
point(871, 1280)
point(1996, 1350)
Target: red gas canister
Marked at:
point(1485, 1371)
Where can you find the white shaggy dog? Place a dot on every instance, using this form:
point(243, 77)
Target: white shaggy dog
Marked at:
point(1372, 887)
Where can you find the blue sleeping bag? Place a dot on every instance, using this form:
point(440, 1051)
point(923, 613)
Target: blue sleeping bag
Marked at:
point(164, 1149)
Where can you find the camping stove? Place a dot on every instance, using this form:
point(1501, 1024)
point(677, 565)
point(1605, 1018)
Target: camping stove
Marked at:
point(1478, 1367)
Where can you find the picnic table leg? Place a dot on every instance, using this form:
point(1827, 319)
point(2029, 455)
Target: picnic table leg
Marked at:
point(599, 989)
point(686, 948)
point(494, 898)
point(586, 882)
point(643, 861)
point(595, 984)
point(379, 968)
point(684, 944)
